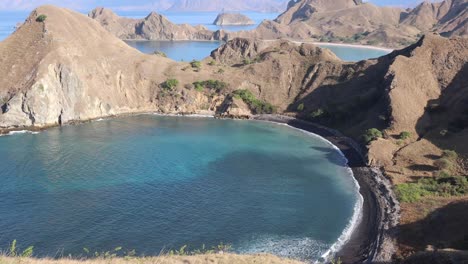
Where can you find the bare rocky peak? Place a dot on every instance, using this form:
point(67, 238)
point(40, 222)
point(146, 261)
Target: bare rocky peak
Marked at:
point(303, 9)
point(226, 19)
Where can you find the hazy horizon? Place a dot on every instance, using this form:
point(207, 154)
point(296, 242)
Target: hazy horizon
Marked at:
point(142, 5)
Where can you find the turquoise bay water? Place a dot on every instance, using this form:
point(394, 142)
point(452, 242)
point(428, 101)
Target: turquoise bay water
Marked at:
point(190, 50)
point(150, 183)
point(177, 50)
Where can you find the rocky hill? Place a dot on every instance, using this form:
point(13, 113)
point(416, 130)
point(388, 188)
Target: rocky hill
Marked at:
point(233, 19)
point(352, 21)
point(68, 68)
point(153, 26)
point(73, 55)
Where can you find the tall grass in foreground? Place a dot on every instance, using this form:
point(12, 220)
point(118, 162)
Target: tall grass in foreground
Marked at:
point(14, 252)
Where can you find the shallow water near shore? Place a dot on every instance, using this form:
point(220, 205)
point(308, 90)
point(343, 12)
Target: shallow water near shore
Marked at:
point(152, 182)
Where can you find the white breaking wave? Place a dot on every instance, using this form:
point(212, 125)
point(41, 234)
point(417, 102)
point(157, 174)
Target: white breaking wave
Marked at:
point(11, 133)
point(301, 248)
point(357, 211)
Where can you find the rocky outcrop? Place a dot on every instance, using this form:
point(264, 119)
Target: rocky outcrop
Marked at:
point(357, 22)
point(154, 27)
point(233, 19)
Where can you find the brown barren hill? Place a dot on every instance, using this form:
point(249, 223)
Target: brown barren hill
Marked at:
point(69, 68)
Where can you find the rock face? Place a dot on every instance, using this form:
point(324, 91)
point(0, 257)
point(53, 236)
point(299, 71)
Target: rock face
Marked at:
point(154, 27)
point(232, 19)
point(77, 70)
point(356, 22)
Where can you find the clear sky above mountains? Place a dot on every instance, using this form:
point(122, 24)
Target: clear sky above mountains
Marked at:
point(136, 4)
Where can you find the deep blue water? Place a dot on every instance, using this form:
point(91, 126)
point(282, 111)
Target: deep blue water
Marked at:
point(150, 182)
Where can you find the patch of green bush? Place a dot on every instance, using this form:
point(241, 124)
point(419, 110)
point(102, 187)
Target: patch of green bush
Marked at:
point(256, 105)
point(405, 135)
point(371, 135)
point(212, 63)
point(450, 154)
point(170, 84)
point(195, 64)
point(41, 18)
point(210, 84)
point(160, 53)
point(317, 113)
point(443, 186)
point(300, 107)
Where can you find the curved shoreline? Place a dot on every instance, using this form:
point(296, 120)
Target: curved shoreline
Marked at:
point(373, 238)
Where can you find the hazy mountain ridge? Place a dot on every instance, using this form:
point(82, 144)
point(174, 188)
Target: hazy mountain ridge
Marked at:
point(219, 5)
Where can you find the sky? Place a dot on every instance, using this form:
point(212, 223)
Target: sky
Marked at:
point(145, 5)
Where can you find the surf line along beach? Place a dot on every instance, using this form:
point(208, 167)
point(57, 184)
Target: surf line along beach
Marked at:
point(373, 238)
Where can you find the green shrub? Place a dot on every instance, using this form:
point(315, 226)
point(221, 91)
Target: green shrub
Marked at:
point(160, 53)
point(41, 18)
point(221, 71)
point(317, 113)
point(210, 84)
point(212, 63)
point(300, 107)
point(410, 192)
point(371, 135)
point(443, 186)
point(443, 164)
point(198, 86)
point(450, 154)
point(170, 84)
point(195, 64)
point(258, 106)
point(247, 61)
point(405, 135)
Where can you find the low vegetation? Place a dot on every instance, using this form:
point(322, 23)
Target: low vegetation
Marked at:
point(405, 135)
point(196, 65)
point(300, 107)
point(160, 53)
point(444, 186)
point(371, 135)
point(13, 251)
point(256, 105)
point(447, 161)
point(41, 18)
point(210, 84)
point(170, 84)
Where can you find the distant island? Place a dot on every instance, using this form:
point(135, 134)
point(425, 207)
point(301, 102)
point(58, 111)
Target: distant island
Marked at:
point(233, 19)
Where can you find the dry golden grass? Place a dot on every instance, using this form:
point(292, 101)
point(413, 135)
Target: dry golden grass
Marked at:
point(198, 259)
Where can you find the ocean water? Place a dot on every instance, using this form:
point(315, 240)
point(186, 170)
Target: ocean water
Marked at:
point(153, 183)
